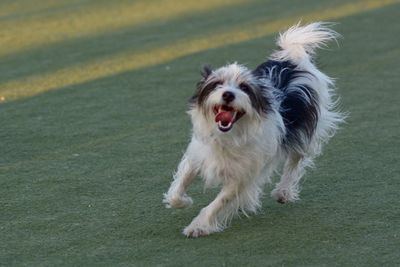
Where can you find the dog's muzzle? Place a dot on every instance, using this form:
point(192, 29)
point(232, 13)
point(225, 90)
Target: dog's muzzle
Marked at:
point(226, 116)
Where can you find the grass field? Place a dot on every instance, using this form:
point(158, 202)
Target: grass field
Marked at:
point(92, 111)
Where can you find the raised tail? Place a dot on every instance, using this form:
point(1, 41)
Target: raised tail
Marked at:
point(307, 96)
point(299, 43)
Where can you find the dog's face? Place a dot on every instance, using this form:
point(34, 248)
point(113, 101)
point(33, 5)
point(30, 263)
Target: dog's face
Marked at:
point(230, 96)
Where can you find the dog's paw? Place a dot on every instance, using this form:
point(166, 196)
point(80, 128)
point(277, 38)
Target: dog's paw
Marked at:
point(195, 231)
point(177, 201)
point(200, 226)
point(284, 195)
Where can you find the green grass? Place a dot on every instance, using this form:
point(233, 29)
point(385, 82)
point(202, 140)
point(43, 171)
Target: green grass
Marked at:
point(83, 166)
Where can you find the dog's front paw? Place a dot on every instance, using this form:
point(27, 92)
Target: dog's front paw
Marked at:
point(200, 226)
point(284, 195)
point(177, 201)
point(195, 231)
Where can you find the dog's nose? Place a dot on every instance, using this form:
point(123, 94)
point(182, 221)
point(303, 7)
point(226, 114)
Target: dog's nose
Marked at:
point(228, 96)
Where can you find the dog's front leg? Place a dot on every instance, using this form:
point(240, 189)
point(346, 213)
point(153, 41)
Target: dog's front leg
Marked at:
point(216, 215)
point(176, 196)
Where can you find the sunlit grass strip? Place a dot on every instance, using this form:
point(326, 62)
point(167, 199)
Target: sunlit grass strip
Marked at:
point(126, 62)
point(90, 20)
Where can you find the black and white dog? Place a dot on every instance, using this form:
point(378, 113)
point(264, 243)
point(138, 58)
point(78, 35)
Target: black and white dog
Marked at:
point(249, 124)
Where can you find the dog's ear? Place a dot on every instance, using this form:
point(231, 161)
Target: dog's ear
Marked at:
point(206, 71)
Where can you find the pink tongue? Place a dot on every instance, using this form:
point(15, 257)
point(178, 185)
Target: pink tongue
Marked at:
point(225, 117)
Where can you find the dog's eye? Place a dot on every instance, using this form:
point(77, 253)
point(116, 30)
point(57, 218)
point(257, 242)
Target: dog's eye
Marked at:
point(215, 84)
point(244, 87)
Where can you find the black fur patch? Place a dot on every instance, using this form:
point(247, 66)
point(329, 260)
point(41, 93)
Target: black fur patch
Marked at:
point(258, 99)
point(299, 106)
point(206, 71)
point(204, 89)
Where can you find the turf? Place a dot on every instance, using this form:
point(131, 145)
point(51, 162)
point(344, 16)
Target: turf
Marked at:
point(85, 159)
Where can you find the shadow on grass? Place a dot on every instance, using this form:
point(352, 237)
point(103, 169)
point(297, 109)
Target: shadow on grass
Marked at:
point(43, 9)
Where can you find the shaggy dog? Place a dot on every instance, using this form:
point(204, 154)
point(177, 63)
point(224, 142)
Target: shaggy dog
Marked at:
point(249, 124)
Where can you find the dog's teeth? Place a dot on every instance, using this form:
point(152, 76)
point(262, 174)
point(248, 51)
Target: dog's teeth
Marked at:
point(224, 127)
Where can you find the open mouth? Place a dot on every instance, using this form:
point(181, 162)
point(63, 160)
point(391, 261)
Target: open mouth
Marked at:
point(226, 116)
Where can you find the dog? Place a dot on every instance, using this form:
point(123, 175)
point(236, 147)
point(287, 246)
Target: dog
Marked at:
point(247, 125)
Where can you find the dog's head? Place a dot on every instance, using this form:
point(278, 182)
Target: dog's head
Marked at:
point(229, 97)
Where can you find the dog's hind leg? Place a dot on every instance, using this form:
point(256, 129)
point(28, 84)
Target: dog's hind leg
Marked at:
point(288, 189)
point(176, 196)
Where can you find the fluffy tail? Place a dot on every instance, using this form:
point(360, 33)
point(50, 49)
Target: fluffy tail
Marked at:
point(299, 43)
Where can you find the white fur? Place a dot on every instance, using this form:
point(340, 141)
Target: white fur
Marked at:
point(243, 159)
point(299, 43)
